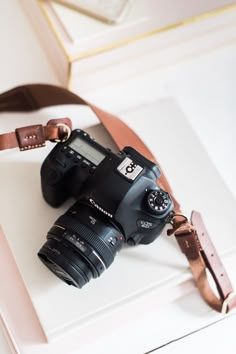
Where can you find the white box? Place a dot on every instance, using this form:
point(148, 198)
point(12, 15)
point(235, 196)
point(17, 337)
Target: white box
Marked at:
point(88, 54)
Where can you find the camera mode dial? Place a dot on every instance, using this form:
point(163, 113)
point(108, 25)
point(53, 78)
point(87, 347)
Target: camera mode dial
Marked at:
point(158, 201)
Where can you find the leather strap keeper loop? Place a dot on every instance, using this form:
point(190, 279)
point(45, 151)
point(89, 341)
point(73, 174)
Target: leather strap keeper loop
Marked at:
point(188, 244)
point(30, 137)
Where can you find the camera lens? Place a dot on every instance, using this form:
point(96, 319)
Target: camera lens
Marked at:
point(81, 245)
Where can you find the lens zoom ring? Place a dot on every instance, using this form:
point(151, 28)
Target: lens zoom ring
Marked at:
point(89, 235)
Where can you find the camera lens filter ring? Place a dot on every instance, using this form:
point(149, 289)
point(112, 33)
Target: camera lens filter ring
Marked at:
point(64, 267)
point(72, 264)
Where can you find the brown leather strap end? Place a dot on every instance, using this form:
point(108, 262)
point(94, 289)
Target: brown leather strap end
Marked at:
point(35, 136)
point(196, 244)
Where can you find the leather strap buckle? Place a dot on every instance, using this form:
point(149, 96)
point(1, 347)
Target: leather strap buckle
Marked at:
point(66, 129)
point(226, 302)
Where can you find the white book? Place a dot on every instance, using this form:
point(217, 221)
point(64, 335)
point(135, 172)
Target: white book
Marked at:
point(159, 267)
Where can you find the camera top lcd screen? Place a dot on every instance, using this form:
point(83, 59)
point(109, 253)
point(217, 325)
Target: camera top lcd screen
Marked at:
point(86, 150)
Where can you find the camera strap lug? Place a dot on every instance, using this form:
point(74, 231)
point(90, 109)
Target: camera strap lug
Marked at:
point(64, 135)
point(176, 224)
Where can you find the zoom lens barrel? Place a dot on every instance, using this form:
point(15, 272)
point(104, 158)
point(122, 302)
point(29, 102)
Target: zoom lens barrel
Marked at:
point(80, 245)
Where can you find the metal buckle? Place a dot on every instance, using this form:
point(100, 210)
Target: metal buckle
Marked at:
point(185, 219)
point(68, 131)
point(177, 225)
point(227, 301)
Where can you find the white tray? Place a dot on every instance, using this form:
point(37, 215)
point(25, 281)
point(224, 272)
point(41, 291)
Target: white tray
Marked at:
point(158, 269)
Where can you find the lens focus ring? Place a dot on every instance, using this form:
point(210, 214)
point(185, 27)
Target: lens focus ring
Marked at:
point(89, 235)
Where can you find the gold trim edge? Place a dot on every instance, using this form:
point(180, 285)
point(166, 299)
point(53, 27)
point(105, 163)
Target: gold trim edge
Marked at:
point(118, 44)
point(42, 7)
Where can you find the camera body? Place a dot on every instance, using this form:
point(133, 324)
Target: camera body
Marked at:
point(120, 186)
point(117, 202)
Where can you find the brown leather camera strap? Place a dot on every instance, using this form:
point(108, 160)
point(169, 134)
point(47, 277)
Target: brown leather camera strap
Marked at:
point(191, 236)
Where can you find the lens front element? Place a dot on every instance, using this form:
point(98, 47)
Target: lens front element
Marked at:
point(80, 245)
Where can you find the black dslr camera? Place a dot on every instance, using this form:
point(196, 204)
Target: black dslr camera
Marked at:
point(118, 201)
